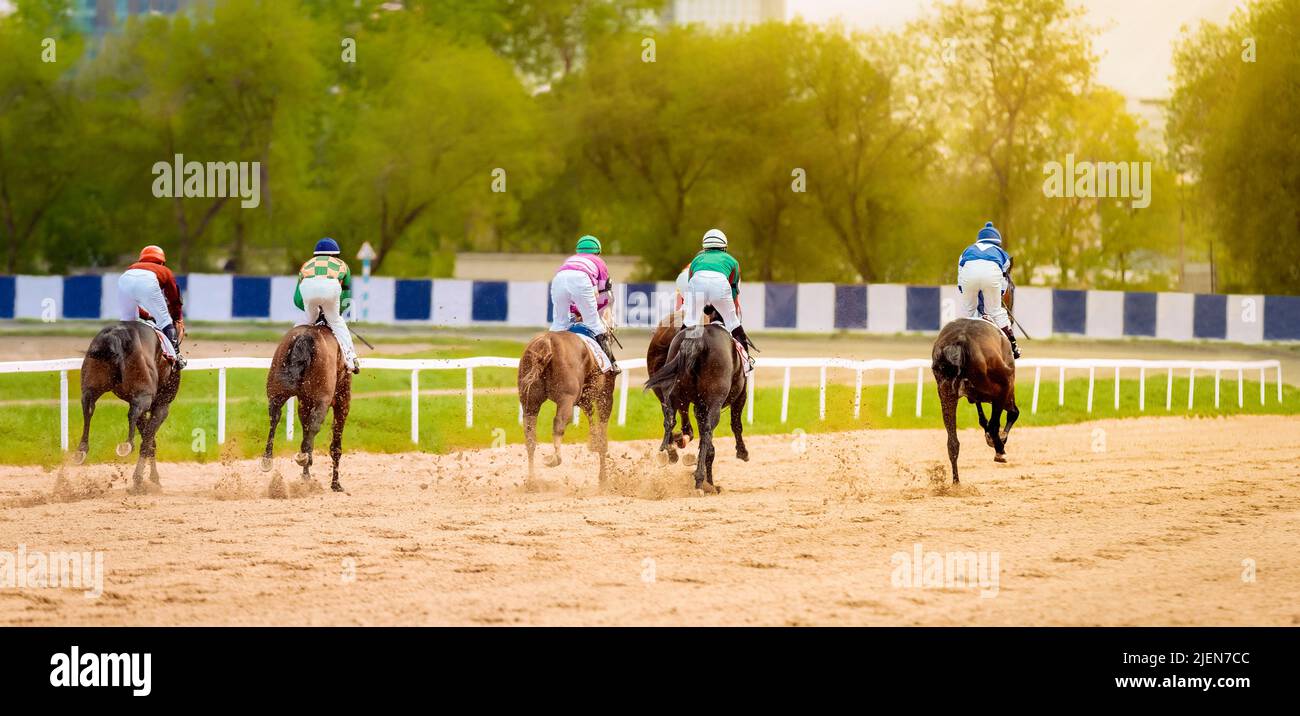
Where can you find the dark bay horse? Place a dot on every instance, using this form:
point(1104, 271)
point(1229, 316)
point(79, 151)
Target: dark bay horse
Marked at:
point(655, 358)
point(308, 365)
point(703, 370)
point(557, 366)
point(127, 359)
point(972, 359)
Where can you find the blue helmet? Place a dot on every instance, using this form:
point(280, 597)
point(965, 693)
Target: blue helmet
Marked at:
point(327, 247)
point(990, 234)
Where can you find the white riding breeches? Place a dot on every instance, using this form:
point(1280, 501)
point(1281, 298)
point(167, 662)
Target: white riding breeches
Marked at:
point(322, 295)
point(574, 288)
point(138, 288)
point(710, 288)
point(977, 278)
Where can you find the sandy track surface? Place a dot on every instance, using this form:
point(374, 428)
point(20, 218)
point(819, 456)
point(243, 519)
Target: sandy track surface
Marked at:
point(1152, 529)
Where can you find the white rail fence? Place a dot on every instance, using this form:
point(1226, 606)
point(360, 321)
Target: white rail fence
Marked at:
point(860, 368)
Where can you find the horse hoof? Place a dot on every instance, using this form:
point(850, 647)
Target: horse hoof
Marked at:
point(689, 460)
point(705, 488)
point(683, 440)
point(988, 440)
point(552, 461)
point(302, 458)
point(742, 455)
point(124, 449)
point(336, 486)
point(79, 457)
point(267, 464)
point(999, 458)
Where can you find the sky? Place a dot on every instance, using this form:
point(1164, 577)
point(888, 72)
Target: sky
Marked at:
point(1135, 46)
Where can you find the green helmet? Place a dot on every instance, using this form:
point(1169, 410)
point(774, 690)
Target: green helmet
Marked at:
point(588, 245)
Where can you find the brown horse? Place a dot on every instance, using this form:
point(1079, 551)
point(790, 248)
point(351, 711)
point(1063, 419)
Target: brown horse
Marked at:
point(703, 370)
point(308, 365)
point(972, 359)
point(557, 366)
point(655, 358)
point(127, 359)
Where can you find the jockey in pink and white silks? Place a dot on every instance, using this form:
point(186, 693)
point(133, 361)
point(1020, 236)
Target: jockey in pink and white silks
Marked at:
point(582, 286)
point(982, 280)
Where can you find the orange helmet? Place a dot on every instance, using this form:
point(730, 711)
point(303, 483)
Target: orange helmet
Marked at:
point(153, 253)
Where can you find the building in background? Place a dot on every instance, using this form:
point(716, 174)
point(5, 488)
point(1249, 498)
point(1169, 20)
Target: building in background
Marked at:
point(100, 16)
point(720, 13)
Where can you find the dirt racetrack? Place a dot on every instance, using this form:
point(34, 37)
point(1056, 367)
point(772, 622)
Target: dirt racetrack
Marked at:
point(1148, 521)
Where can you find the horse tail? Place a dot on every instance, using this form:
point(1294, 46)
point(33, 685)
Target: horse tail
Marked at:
point(688, 355)
point(301, 353)
point(112, 346)
point(952, 359)
point(536, 359)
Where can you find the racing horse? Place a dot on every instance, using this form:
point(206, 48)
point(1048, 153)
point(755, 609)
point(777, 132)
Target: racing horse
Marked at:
point(972, 359)
point(558, 366)
point(308, 365)
point(127, 358)
point(704, 370)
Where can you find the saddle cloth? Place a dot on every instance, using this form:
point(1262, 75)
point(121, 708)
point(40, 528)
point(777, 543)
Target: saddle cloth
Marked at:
point(163, 341)
point(597, 352)
point(741, 353)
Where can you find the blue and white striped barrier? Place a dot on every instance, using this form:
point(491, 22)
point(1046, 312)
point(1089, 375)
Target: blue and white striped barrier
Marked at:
point(803, 307)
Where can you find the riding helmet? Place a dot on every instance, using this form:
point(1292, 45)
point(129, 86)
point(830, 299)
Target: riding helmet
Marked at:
point(153, 253)
point(588, 245)
point(990, 234)
point(715, 239)
point(327, 247)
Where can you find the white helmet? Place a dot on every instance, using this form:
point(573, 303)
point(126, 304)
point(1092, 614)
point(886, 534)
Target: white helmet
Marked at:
point(715, 239)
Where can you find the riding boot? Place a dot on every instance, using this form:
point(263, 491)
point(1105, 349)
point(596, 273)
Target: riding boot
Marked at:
point(739, 334)
point(170, 332)
point(1011, 336)
point(603, 340)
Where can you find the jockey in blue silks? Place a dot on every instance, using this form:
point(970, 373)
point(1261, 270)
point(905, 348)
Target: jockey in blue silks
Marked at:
point(983, 274)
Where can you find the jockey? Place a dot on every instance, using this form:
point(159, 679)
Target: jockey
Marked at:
point(325, 288)
point(148, 289)
point(982, 279)
point(715, 282)
point(582, 286)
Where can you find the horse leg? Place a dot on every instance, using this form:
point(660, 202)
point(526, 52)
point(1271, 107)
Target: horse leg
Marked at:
point(341, 406)
point(984, 423)
point(88, 399)
point(737, 406)
point(149, 441)
point(563, 414)
point(948, 403)
point(276, 409)
point(530, 437)
point(708, 416)
point(600, 428)
point(670, 422)
point(995, 416)
point(1013, 413)
point(311, 416)
point(139, 405)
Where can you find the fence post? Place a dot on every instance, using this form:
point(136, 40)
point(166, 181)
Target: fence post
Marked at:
point(1038, 376)
point(1169, 391)
point(469, 397)
point(749, 399)
point(63, 410)
point(821, 394)
point(1216, 388)
point(920, 380)
point(1142, 389)
point(1092, 377)
point(1116, 387)
point(221, 406)
point(889, 401)
point(1241, 390)
point(857, 395)
point(1060, 388)
point(415, 406)
point(785, 395)
point(1279, 382)
point(1263, 383)
point(1191, 386)
point(622, 398)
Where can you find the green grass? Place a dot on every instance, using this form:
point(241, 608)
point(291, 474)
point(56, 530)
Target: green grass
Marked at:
point(380, 417)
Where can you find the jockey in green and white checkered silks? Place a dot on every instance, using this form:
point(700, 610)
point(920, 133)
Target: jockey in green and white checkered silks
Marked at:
point(325, 290)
